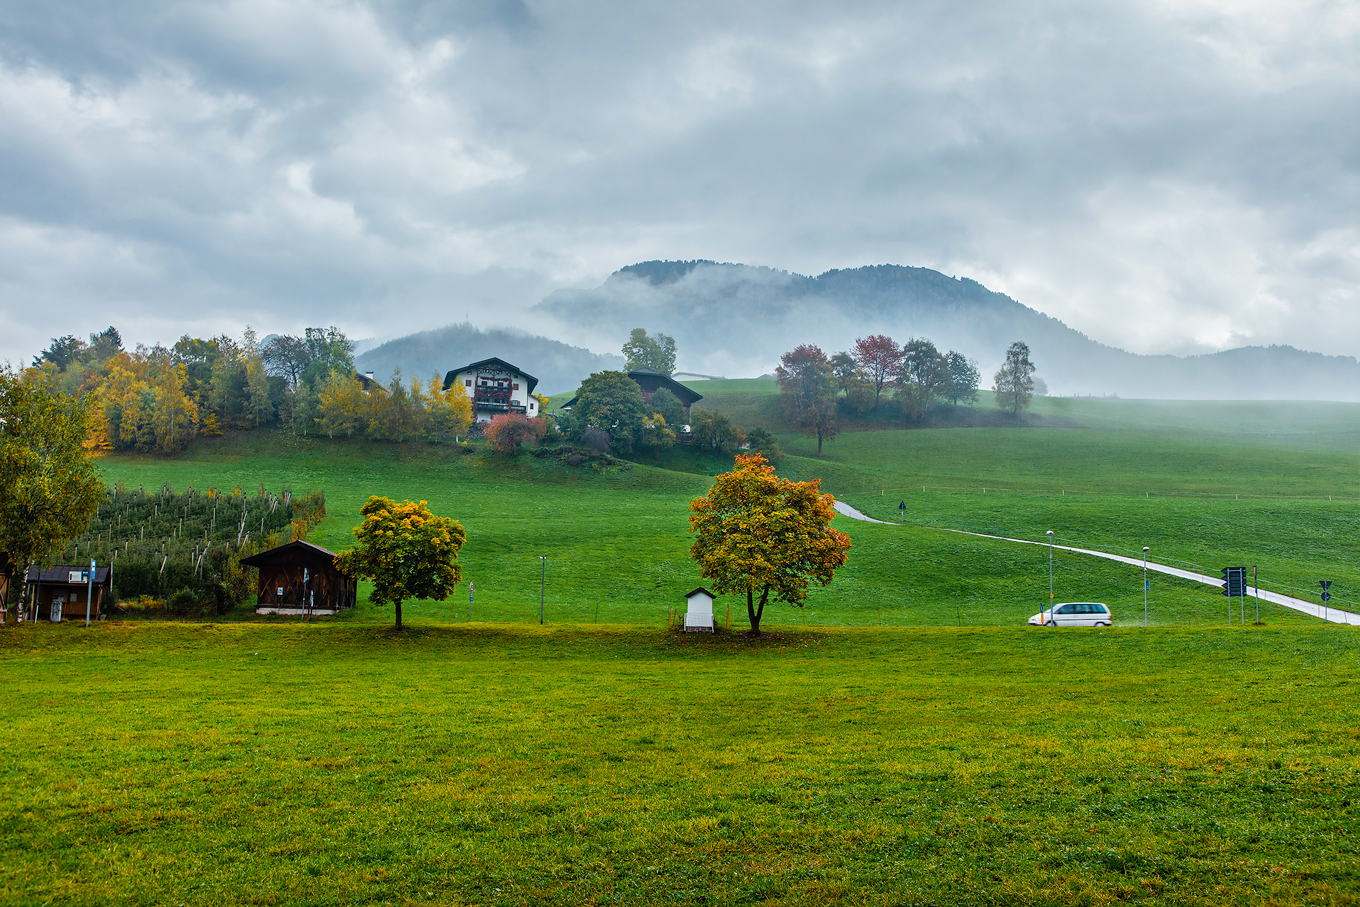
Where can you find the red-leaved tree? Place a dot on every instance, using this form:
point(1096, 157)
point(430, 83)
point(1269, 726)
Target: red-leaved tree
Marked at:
point(808, 387)
point(508, 431)
point(880, 358)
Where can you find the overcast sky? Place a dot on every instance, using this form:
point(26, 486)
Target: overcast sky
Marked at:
point(1174, 177)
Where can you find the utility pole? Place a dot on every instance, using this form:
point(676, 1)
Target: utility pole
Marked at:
point(542, 585)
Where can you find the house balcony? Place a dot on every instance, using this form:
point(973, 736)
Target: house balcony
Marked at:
point(499, 406)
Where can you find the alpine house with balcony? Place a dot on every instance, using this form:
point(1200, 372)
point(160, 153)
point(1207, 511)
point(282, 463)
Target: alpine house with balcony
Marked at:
point(495, 386)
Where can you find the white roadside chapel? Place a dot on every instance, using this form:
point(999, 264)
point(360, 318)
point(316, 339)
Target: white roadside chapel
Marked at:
point(699, 617)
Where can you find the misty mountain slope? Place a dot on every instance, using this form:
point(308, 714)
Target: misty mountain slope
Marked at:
point(737, 320)
point(557, 366)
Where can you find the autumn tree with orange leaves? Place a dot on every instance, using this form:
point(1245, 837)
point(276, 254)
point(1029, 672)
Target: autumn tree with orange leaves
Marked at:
point(760, 534)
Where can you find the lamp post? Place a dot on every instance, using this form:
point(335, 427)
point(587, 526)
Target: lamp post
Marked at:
point(1052, 618)
point(542, 584)
point(1145, 588)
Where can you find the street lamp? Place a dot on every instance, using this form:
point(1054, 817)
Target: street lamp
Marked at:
point(1052, 618)
point(1145, 588)
point(542, 584)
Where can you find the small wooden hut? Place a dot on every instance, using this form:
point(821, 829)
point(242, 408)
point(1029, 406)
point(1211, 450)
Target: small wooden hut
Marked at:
point(299, 578)
point(61, 593)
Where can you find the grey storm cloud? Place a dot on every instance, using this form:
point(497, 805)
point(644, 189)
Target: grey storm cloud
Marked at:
point(1173, 177)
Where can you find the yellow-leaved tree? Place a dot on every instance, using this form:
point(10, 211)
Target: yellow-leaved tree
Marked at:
point(760, 534)
point(407, 551)
point(450, 410)
point(343, 405)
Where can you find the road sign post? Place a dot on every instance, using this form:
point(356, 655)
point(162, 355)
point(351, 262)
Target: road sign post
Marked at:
point(89, 591)
point(1235, 585)
point(1326, 585)
point(901, 511)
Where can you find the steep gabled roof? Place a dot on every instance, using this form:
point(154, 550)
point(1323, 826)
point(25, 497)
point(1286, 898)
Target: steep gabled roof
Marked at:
point(684, 394)
point(264, 557)
point(643, 376)
point(493, 362)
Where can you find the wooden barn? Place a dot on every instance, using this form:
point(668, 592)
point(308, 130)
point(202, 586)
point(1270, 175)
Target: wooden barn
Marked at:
point(649, 382)
point(652, 381)
point(61, 592)
point(300, 578)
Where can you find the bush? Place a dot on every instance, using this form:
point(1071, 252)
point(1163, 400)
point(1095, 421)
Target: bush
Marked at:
point(763, 442)
point(508, 431)
point(595, 440)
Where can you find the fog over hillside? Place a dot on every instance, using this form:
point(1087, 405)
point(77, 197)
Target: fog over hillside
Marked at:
point(735, 320)
point(557, 366)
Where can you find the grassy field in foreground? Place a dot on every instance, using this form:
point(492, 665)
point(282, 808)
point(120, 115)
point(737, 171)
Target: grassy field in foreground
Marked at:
point(342, 764)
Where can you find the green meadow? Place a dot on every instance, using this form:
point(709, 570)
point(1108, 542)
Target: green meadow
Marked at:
point(346, 764)
point(1205, 486)
point(902, 739)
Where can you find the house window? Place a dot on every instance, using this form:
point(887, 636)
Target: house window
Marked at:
point(467, 383)
point(515, 387)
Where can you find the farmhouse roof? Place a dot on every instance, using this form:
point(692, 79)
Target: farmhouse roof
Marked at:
point(299, 547)
point(493, 362)
point(60, 575)
point(700, 589)
point(657, 380)
point(650, 381)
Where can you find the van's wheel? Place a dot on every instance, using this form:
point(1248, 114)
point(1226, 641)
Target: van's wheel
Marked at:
point(1100, 623)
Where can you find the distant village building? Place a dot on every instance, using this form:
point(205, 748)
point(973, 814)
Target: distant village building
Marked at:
point(652, 381)
point(649, 382)
point(699, 616)
point(301, 577)
point(61, 593)
point(495, 386)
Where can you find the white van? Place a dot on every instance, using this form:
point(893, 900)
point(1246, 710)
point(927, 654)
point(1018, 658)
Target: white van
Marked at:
point(1074, 614)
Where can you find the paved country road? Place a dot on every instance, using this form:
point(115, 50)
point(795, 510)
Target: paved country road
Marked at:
point(1321, 612)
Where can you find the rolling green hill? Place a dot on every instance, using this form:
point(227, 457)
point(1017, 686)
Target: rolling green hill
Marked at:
point(606, 759)
point(1204, 486)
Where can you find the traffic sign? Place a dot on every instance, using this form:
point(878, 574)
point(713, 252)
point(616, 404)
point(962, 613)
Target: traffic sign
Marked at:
point(1326, 585)
point(1234, 581)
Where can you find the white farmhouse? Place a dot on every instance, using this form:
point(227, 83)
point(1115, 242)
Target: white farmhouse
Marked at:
point(495, 386)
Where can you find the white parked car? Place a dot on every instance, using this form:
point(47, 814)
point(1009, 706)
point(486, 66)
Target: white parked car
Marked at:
point(1074, 614)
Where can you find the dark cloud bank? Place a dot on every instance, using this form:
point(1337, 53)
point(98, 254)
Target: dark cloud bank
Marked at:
point(1165, 178)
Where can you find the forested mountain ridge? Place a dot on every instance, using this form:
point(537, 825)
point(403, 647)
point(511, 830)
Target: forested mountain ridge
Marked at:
point(557, 366)
point(736, 319)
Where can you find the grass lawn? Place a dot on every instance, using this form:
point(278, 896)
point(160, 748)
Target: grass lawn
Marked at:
point(345, 764)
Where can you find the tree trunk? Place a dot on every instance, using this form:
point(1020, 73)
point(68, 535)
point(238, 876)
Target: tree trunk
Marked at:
point(398, 609)
point(755, 612)
point(819, 442)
